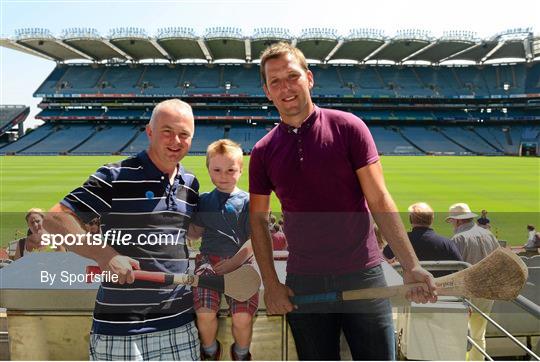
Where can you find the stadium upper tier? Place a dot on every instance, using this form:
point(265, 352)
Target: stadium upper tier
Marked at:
point(226, 80)
point(319, 44)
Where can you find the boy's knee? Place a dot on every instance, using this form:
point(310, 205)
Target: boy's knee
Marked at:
point(242, 320)
point(206, 315)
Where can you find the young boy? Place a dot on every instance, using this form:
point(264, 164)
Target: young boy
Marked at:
point(223, 222)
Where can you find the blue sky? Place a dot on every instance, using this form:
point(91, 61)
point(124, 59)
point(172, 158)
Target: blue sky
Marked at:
point(21, 74)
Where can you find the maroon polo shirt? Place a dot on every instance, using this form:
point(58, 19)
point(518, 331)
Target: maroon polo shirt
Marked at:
point(312, 171)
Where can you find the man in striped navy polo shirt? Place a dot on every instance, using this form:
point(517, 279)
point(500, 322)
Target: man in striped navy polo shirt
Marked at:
point(145, 196)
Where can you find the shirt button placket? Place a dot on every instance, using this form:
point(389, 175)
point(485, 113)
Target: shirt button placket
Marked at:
point(300, 149)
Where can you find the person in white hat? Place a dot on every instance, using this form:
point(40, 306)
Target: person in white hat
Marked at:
point(474, 244)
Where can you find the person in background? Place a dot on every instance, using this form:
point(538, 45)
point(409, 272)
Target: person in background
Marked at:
point(530, 244)
point(483, 220)
point(279, 241)
point(32, 242)
point(474, 244)
point(427, 244)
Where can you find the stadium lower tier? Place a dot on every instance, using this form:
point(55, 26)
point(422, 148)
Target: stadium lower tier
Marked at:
point(98, 139)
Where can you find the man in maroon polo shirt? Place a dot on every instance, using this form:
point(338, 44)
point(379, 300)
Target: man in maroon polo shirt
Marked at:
point(324, 168)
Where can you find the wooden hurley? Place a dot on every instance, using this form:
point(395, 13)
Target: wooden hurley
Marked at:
point(499, 276)
point(239, 284)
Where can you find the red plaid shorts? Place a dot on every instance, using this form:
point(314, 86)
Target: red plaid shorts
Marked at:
point(210, 299)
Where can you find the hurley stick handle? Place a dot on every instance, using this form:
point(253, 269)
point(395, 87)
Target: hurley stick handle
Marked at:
point(381, 292)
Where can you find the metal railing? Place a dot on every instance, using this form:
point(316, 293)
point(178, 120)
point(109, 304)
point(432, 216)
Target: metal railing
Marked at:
point(524, 303)
point(500, 328)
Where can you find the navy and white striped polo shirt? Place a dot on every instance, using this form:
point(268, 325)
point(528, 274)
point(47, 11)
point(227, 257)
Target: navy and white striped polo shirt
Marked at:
point(134, 197)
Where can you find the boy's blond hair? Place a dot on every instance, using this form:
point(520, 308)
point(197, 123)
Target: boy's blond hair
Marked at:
point(225, 147)
point(279, 49)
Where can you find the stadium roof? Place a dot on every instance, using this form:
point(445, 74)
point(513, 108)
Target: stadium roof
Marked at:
point(318, 44)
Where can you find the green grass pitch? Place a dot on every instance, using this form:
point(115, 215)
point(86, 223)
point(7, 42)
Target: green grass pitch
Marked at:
point(508, 187)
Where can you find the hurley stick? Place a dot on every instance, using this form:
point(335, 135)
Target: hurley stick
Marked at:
point(239, 284)
point(499, 276)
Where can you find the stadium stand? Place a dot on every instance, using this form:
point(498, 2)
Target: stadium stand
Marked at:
point(469, 140)
point(206, 134)
point(336, 81)
point(431, 141)
point(390, 142)
point(11, 115)
point(138, 143)
point(412, 108)
point(29, 139)
point(65, 138)
point(107, 139)
point(247, 135)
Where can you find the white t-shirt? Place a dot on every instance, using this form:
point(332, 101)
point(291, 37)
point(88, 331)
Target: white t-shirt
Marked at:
point(530, 241)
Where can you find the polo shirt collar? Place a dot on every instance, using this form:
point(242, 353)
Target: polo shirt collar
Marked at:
point(155, 173)
point(305, 126)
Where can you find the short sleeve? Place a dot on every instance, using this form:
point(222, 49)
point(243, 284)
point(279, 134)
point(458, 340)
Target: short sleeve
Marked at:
point(362, 148)
point(259, 182)
point(93, 198)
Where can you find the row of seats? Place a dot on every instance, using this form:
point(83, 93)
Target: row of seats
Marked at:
point(370, 114)
point(381, 81)
point(87, 138)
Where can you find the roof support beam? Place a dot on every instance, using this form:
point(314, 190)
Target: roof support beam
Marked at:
point(82, 54)
point(528, 49)
point(116, 49)
point(373, 53)
point(160, 48)
point(247, 46)
point(460, 52)
point(492, 51)
point(333, 51)
point(205, 49)
point(419, 51)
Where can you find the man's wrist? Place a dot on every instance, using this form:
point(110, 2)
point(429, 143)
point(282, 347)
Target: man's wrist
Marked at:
point(105, 255)
point(270, 281)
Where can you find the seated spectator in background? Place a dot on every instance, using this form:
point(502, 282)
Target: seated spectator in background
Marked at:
point(530, 244)
point(32, 242)
point(272, 221)
point(427, 244)
point(533, 245)
point(483, 220)
point(279, 241)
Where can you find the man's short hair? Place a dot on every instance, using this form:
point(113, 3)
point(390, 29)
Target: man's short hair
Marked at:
point(174, 103)
point(224, 147)
point(34, 210)
point(530, 227)
point(279, 49)
point(421, 213)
